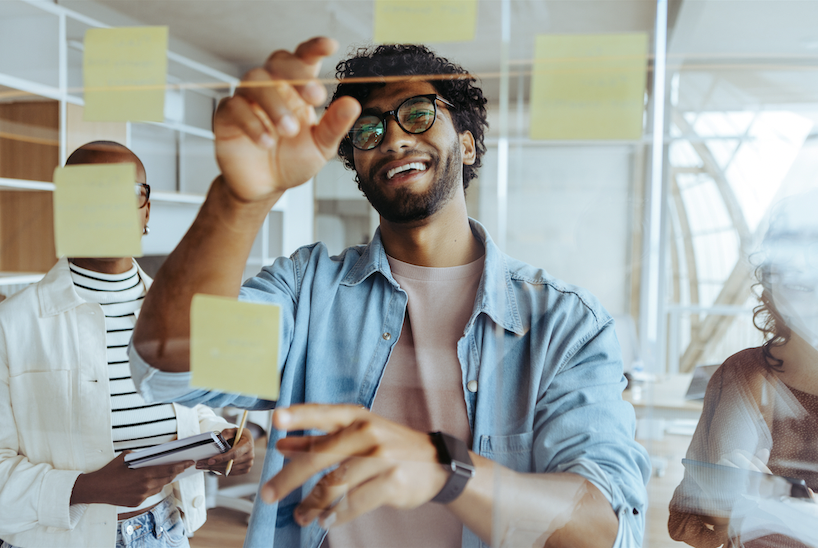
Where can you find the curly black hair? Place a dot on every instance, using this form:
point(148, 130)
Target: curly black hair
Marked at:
point(450, 81)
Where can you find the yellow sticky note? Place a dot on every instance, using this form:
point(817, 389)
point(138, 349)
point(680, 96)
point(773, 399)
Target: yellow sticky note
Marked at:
point(95, 211)
point(588, 86)
point(125, 73)
point(423, 21)
point(234, 346)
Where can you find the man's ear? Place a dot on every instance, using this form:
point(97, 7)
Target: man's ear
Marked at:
point(467, 149)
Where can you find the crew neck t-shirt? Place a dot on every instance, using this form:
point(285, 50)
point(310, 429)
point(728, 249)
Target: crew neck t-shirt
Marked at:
point(422, 388)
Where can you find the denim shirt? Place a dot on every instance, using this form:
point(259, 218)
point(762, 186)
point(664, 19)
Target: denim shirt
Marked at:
point(544, 354)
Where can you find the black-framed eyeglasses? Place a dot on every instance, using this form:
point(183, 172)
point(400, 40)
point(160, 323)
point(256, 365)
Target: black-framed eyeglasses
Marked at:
point(415, 115)
point(143, 194)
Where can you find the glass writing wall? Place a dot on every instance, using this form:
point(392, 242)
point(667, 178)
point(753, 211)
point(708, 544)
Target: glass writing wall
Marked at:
point(658, 155)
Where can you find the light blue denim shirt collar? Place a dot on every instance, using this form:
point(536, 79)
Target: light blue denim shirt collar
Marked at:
point(500, 306)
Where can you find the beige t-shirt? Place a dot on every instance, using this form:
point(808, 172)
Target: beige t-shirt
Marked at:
point(422, 388)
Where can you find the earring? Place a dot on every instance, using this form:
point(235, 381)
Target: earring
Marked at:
point(146, 230)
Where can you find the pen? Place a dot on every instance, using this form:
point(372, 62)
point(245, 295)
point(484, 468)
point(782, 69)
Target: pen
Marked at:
point(236, 440)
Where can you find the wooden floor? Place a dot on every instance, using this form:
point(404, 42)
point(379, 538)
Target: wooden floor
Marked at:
point(660, 489)
point(223, 529)
point(226, 528)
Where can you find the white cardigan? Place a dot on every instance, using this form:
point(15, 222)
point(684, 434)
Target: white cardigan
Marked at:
point(55, 419)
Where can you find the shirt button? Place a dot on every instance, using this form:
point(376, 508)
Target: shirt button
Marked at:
point(472, 386)
point(387, 336)
point(198, 501)
point(129, 530)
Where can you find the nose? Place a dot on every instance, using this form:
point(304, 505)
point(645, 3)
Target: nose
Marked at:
point(396, 138)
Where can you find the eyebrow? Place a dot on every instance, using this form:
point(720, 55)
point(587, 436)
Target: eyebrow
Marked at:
point(376, 111)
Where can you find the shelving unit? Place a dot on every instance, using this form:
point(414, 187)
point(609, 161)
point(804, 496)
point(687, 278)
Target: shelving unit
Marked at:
point(47, 41)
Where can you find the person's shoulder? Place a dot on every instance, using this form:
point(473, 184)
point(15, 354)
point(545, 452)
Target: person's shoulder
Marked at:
point(746, 364)
point(23, 301)
point(553, 293)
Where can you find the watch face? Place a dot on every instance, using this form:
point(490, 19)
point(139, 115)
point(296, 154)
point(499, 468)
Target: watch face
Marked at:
point(458, 451)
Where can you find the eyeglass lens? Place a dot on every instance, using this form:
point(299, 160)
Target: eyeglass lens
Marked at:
point(415, 115)
point(141, 193)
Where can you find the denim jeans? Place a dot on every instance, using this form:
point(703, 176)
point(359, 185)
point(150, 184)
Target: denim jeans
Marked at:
point(159, 527)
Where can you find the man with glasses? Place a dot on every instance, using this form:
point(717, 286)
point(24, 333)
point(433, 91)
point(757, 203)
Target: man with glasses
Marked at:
point(436, 391)
point(69, 410)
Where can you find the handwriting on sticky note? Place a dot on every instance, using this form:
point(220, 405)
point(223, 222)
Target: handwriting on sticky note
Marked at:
point(588, 86)
point(234, 346)
point(125, 73)
point(423, 21)
point(95, 211)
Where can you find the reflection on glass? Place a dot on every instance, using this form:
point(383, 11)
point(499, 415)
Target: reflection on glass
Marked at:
point(755, 451)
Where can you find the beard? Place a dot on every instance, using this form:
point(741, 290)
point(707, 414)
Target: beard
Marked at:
point(407, 206)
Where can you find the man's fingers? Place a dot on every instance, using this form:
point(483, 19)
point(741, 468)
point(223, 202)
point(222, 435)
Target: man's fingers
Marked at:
point(321, 498)
point(240, 113)
point(301, 67)
point(335, 124)
point(277, 100)
point(326, 451)
point(313, 51)
point(334, 486)
point(367, 497)
point(313, 416)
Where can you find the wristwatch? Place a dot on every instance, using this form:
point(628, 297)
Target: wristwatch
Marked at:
point(453, 454)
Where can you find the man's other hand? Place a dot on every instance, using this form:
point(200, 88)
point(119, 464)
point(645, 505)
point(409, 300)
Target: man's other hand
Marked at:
point(379, 463)
point(268, 136)
point(242, 454)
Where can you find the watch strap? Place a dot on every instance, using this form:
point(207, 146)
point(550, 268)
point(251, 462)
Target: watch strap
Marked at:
point(453, 455)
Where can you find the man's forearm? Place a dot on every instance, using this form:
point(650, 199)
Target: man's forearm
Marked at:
point(209, 259)
point(506, 508)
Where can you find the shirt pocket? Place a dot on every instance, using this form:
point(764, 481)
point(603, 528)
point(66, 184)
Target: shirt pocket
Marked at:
point(512, 451)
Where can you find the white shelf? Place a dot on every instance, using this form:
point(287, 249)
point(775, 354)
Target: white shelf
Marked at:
point(177, 197)
point(22, 184)
point(158, 196)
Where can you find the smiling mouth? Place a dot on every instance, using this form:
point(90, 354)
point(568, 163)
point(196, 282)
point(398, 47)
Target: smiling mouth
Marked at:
point(412, 166)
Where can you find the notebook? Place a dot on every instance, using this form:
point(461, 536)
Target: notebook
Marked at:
point(195, 448)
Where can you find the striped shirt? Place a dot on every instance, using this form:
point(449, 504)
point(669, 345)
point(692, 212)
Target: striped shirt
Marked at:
point(135, 424)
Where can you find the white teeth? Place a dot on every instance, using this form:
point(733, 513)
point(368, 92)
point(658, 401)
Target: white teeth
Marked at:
point(405, 167)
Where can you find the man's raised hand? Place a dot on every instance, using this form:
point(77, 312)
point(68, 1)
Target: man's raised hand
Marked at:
point(268, 136)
